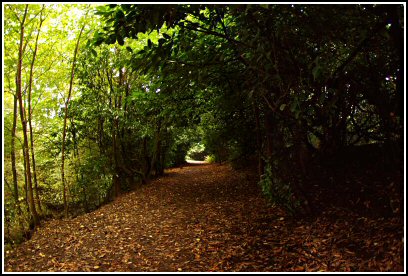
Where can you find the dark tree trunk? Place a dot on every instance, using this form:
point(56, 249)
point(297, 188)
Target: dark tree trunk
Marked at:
point(13, 150)
point(147, 161)
point(258, 139)
point(156, 156)
point(117, 173)
point(13, 164)
point(303, 163)
point(269, 129)
point(33, 210)
point(30, 113)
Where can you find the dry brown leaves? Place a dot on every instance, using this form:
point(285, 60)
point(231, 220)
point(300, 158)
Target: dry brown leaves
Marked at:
point(209, 218)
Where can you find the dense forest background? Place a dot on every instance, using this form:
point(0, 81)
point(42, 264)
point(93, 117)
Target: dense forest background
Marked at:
point(98, 99)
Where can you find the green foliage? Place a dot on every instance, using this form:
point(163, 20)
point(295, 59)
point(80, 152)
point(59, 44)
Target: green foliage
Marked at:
point(15, 223)
point(243, 80)
point(197, 152)
point(276, 190)
point(210, 159)
point(183, 140)
point(93, 182)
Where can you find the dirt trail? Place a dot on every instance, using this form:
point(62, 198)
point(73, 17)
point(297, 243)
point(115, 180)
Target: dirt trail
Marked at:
point(201, 218)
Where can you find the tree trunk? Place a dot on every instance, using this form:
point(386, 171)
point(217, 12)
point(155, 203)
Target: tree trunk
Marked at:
point(24, 125)
point(30, 113)
point(301, 162)
point(258, 139)
point(13, 150)
point(65, 126)
point(116, 176)
point(156, 156)
point(101, 136)
point(269, 128)
point(148, 166)
point(13, 164)
point(26, 197)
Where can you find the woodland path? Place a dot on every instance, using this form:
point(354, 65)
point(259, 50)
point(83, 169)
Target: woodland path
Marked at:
point(205, 218)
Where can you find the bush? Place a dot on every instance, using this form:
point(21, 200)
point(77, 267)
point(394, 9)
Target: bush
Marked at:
point(210, 159)
point(277, 191)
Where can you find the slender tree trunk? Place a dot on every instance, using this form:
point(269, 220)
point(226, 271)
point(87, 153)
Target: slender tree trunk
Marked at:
point(303, 161)
point(64, 131)
point(113, 104)
point(26, 197)
point(30, 113)
point(13, 165)
point(258, 138)
point(24, 124)
point(116, 176)
point(13, 150)
point(101, 136)
point(37, 196)
point(156, 156)
point(113, 159)
point(148, 165)
point(269, 129)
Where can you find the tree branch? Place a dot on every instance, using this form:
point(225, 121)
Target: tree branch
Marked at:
point(356, 51)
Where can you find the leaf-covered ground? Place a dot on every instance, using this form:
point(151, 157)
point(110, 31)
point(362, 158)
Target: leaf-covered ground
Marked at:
point(210, 218)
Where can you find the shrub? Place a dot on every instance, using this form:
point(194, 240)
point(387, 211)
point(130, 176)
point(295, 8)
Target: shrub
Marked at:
point(210, 159)
point(277, 191)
